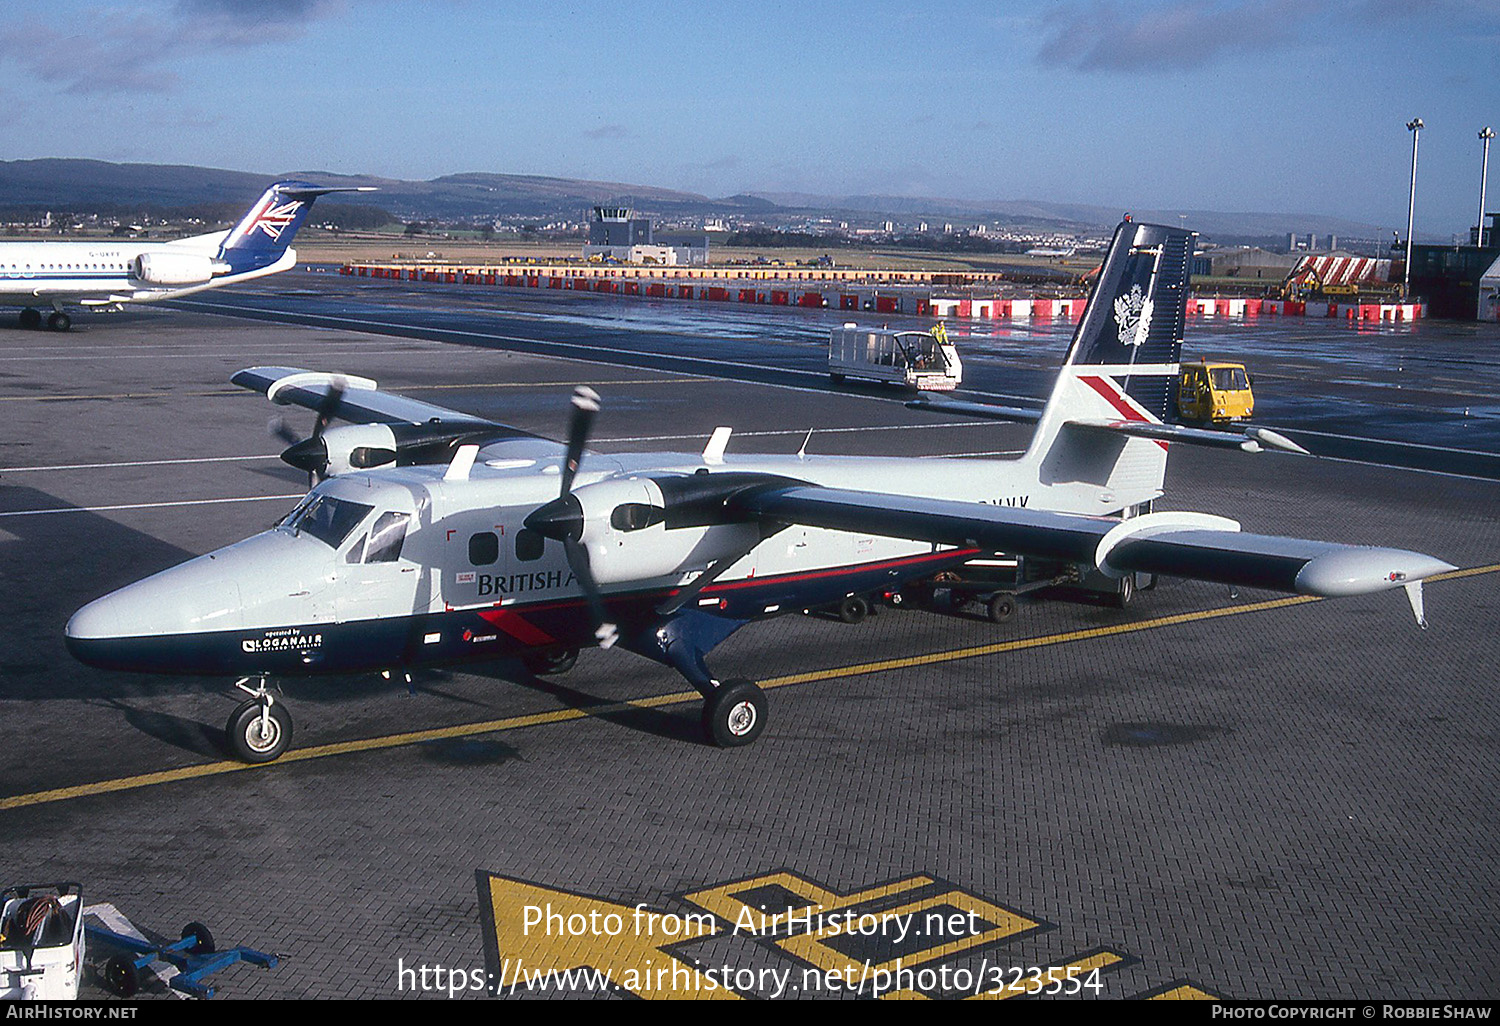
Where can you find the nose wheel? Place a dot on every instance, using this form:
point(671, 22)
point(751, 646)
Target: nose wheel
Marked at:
point(258, 730)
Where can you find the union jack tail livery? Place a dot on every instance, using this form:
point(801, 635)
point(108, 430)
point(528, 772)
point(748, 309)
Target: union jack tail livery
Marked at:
point(264, 233)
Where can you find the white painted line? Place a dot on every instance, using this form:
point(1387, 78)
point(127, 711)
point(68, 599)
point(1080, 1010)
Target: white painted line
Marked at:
point(136, 463)
point(815, 431)
point(151, 505)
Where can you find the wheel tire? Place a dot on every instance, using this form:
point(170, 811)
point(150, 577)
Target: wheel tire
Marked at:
point(735, 715)
point(243, 732)
point(31, 318)
point(59, 321)
point(549, 663)
point(121, 976)
point(853, 609)
point(837, 379)
point(205, 940)
point(1126, 593)
point(1001, 608)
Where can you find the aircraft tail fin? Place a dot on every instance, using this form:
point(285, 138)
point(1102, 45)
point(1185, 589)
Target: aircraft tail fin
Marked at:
point(1120, 369)
point(262, 236)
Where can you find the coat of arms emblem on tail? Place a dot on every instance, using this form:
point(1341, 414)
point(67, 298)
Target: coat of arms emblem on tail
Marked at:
point(1133, 315)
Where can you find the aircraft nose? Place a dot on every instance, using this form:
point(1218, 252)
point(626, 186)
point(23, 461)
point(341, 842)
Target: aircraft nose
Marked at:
point(98, 620)
point(154, 624)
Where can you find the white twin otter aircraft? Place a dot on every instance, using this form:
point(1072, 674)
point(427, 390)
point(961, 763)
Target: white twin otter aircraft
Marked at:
point(433, 537)
point(107, 273)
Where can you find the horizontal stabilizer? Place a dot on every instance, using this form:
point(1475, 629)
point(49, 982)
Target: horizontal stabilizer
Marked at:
point(1249, 440)
point(959, 408)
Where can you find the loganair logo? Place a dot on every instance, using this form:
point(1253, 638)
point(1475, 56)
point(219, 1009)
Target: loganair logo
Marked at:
point(1133, 315)
point(273, 220)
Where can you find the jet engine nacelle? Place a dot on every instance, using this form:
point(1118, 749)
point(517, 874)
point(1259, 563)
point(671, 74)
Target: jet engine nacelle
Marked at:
point(172, 268)
point(635, 533)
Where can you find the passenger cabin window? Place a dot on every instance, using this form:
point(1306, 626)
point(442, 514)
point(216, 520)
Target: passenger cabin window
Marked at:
point(484, 548)
point(529, 545)
point(386, 537)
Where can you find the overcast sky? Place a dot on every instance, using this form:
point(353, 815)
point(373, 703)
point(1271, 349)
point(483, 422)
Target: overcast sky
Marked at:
point(1275, 105)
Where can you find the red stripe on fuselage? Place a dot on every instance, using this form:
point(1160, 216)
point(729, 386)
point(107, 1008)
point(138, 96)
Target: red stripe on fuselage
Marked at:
point(517, 626)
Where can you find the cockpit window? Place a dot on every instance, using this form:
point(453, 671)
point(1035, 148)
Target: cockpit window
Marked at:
point(386, 538)
point(327, 519)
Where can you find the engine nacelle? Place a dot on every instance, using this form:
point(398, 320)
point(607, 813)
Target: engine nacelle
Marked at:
point(161, 268)
point(632, 533)
point(358, 447)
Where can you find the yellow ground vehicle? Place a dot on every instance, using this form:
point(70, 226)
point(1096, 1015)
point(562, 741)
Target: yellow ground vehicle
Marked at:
point(1214, 392)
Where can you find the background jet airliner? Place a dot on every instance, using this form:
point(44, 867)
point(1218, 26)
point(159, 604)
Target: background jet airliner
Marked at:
point(112, 272)
point(434, 537)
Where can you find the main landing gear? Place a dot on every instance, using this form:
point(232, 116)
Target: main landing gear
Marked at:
point(31, 318)
point(258, 730)
point(734, 713)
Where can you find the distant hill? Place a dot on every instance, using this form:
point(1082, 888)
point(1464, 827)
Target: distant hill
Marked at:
point(66, 184)
point(1080, 215)
point(69, 184)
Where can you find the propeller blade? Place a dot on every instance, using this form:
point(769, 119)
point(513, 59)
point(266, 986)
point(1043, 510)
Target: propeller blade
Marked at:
point(328, 408)
point(278, 429)
point(605, 632)
point(585, 406)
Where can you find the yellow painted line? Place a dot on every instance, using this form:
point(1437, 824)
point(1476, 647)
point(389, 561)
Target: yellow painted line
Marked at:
point(416, 737)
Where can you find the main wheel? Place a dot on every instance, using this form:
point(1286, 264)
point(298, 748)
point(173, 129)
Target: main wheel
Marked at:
point(735, 714)
point(256, 739)
point(31, 318)
point(1126, 594)
point(1001, 608)
point(59, 321)
point(552, 661)
point(853, 609)
point(121, 976)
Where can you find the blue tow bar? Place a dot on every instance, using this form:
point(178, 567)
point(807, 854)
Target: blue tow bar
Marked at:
point(193, 956)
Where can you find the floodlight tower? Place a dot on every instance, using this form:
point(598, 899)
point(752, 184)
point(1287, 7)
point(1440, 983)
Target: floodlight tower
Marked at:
point(1485, 135)
point(1415, 127)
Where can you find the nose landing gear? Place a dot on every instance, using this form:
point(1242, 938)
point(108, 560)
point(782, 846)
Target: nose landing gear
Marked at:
point(259, 730)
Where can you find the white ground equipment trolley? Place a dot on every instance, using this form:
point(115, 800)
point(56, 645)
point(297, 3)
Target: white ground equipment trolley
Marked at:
point(41, 942)
point(921, 360)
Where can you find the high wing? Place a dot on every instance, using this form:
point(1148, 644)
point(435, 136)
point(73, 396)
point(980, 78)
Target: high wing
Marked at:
point(361, 401)
point(385, 428)
point(1193, 545)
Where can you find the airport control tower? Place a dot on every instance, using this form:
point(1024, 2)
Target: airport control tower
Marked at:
point(618, 226)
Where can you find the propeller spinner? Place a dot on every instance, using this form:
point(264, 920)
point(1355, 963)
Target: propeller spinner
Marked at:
point(311, 453)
